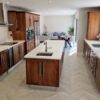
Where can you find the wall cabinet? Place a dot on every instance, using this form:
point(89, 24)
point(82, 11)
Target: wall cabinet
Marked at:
point(12, 21)
point(93, 25)
point(4, 61)
point(43, 72)
point(22, 22)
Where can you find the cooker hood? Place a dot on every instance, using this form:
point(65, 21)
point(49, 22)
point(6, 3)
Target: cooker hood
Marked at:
point(3, 13)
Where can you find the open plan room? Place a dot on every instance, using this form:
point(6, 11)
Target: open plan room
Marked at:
point(49, 50)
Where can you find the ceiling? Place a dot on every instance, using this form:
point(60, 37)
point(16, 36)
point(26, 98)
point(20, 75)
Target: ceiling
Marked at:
point(53, 6)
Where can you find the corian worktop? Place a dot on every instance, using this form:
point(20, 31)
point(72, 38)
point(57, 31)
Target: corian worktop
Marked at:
point(95, 49)
point(4, 47)
point(54, 46)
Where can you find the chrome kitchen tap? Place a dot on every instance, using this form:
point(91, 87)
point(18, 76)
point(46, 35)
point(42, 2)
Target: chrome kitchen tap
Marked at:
point(45, 43)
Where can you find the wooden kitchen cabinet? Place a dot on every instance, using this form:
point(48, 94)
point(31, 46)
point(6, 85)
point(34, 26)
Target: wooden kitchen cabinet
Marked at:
point(98, 74)
point(94, 63)
point(30, 45)
point(42, 72)
point(21, 51)
point(50, 73)
point(16, 54)
point(4, 66)
point(32, 72)
point(93, 25)
point(10, 57)
point(12, 21)
point(23, 25)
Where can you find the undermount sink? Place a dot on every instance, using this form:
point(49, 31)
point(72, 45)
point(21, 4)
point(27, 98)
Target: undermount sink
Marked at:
point(44, 54)
point(8, 43)
point(96, 45)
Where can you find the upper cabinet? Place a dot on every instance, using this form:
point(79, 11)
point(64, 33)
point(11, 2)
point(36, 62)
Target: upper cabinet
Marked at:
point(93, 25)
point(12, 20)
point(24, 26)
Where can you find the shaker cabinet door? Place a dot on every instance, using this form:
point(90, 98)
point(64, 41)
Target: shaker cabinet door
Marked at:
point(4, 61)
point(51, 73)
point(32, 72)
point(16, 54)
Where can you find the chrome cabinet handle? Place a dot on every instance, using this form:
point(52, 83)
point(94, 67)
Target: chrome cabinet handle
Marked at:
point(43, 69)
point(39, 69)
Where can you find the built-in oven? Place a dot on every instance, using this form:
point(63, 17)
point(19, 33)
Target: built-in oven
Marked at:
point(30, 33)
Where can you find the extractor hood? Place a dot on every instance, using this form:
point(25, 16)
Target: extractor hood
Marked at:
point(2, 14)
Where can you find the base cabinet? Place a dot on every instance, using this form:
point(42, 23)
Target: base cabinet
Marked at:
point(10, 57)
point(18, 52)
point(43, 72)
point(98, 74)
point(4, 66)
point(94, 63)
point(30, 45)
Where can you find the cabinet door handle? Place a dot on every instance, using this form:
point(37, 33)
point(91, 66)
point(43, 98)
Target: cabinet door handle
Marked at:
point(0, 59)
point(43, 69)
point(40, 69)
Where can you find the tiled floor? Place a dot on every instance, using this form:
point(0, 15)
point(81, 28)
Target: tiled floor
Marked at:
point(76, 83)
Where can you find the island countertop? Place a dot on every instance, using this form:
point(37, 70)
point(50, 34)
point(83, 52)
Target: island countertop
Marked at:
point(54, 46)
point(95, 49)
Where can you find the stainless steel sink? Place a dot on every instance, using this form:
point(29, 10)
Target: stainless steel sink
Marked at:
point(96, 45)
point(44, 54)
point(8, 43)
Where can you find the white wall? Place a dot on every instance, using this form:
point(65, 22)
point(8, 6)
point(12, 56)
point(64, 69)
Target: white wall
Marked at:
point(4, 28)
point(82, 16)
point(3, 33)
point(41, 24)
point(58, 23)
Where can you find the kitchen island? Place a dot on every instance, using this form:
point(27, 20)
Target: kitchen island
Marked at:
point(45, 70)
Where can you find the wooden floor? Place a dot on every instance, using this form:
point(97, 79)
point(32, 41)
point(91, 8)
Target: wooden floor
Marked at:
point(76, 83)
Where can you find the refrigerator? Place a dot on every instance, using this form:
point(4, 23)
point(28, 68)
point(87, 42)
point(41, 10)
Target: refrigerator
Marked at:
point(36, 25)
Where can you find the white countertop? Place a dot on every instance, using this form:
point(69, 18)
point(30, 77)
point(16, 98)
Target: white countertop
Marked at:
point(54, 46)
point(95, 49)
point(4, 47)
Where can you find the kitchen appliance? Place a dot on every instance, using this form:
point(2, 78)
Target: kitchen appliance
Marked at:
point(3, 13)
point(30, 34)
point(37, 31)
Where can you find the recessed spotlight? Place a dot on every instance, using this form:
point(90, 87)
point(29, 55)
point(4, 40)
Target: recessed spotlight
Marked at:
point(7, 2)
